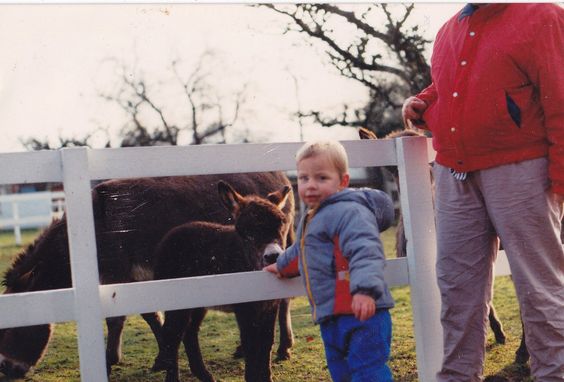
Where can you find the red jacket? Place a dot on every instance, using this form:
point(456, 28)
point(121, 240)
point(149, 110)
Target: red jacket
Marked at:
point(497, 95)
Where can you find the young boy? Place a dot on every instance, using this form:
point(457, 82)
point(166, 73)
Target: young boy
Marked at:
point(342, 264)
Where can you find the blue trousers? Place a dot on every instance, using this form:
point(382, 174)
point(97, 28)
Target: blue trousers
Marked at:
point(357, 351)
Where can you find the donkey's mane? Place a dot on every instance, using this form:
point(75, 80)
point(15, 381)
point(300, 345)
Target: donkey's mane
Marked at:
point(26, 260)
point(261, 201)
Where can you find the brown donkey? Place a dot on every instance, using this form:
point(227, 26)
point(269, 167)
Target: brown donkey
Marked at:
point(131, 216)
point(522, 354)
point(203, 248)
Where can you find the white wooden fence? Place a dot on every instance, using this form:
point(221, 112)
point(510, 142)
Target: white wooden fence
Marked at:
point(88, 303)
point(51, 203)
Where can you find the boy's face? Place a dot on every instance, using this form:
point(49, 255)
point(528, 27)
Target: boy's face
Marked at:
point(318, 179)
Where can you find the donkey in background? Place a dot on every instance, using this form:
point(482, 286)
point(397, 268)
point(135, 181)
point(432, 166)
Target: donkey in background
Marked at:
point(203, 248)
point(522, 354)
point(131, 216)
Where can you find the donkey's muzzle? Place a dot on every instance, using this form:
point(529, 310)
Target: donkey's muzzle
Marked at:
point(271, 253)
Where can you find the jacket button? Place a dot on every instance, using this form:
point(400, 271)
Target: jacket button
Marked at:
point(455, 94)
point(459, 162)
point(452, 129)
point(463, 63)
point(472, 34)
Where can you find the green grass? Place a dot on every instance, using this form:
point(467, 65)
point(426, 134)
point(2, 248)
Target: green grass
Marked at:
point(219, 337)
point(8, 247)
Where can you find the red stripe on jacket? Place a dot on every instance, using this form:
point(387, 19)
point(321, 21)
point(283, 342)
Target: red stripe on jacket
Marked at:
point(292, 269)
point(343, 298)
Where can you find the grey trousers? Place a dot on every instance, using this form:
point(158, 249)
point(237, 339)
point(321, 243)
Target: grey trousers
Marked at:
point(512, 202)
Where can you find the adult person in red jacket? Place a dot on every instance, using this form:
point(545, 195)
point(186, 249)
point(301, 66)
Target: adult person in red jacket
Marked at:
point(496, 112)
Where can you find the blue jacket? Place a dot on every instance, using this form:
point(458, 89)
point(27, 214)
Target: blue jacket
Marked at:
point(339, 251)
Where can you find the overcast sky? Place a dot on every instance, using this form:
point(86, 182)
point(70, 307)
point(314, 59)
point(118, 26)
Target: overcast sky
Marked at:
point(55, 60)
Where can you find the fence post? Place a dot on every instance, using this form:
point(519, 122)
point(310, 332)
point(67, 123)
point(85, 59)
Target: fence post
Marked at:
point(417, 209)
point(84, 265)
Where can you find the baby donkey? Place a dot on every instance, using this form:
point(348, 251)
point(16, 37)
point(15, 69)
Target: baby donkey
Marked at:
point(204, 248)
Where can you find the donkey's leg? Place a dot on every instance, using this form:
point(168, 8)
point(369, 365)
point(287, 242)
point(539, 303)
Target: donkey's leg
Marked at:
point(496, 325)
point(113, 342)
point(155, 322)
point(256, 322)
point(192, 347)
point(172, 332)
point(239, 353)
point(522, 354)
point(286, 334)
point(401, 241)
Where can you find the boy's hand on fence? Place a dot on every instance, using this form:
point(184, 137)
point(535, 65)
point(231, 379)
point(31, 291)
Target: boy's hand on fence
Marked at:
point(272, 268)
point(363, 306)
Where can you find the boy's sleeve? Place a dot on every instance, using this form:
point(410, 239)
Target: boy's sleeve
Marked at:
point(361, 245)
point(287, 262)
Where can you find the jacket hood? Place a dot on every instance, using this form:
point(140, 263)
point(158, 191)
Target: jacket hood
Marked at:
point(376, 201)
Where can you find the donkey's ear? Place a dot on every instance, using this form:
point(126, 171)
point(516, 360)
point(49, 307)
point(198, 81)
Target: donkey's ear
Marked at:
point(279, 197)
point(229, 197)
point(364, 133)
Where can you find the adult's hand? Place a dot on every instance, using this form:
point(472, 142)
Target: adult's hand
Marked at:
point(413, 109)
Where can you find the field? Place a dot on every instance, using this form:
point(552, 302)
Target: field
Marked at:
point(219, 338)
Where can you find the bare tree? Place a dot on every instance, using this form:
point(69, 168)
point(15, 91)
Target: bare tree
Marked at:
point(201, 100)
point(34, 144)
point(153, 118)
point(133, 98)
point(148, 121)
point(375, 45)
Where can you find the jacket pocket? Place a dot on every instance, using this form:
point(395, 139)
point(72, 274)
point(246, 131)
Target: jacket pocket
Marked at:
point(513, 110)
point(514, 103)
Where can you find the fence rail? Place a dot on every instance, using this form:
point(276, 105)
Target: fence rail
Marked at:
point(42, 208)
point(88, 303)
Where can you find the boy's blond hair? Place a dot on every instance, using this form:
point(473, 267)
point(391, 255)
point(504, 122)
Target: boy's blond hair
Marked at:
point(334, 151)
